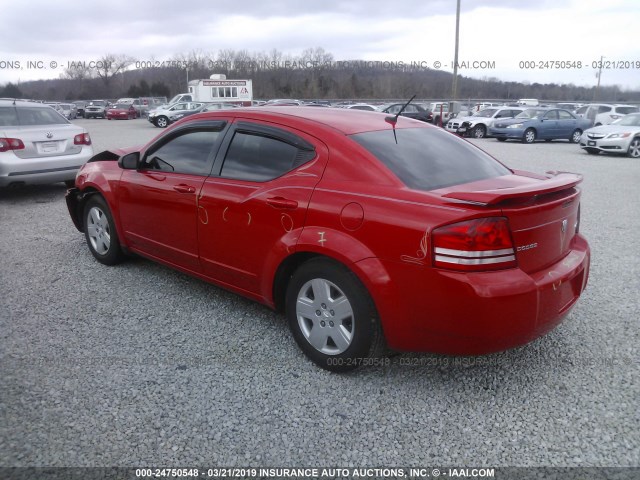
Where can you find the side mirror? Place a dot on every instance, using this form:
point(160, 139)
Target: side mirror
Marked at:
point(130, 161)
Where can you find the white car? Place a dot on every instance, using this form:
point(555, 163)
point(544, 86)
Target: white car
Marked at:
point(163, 117)
point(605, 113)
point(622, 136)
point(362, 106)
point(38, 145)
point(477, 125)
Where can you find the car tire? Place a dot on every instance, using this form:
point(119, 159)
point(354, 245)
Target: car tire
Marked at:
point(529, 136)
point(502, 139)
point(341, 344)
point(575, 136)
point(479, 131)
point(162, 122)
point(634, 148)
point(100, 231)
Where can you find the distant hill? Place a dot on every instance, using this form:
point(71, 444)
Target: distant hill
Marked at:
point(314, 75)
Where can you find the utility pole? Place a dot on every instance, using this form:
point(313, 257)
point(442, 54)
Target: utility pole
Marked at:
point(599, 74)
point(454, 86)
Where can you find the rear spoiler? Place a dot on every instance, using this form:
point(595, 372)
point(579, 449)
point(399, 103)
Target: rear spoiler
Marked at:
point(554, 182)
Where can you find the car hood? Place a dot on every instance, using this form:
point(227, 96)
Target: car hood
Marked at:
point(606, 129)
point(114, 154)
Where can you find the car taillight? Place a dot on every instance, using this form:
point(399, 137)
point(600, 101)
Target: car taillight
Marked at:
point(474, 245)
point(7, 144)
point(82, 139)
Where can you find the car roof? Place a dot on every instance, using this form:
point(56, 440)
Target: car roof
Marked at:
point(346, 121)
point(22, 103)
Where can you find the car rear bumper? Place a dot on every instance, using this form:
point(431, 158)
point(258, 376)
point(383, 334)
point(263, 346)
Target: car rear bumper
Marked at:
point(41, 170)
point(479, 313)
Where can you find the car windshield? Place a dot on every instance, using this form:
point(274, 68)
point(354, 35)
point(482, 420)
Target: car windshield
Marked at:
point(98, 103)
point(626, 110)
point(632, 120)
point(531, 113)
point(122, 106)
point(487, 112)
point(19, 116)
point(428, 159)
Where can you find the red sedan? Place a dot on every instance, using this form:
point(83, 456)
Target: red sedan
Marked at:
point(123, 111)
point(365, 229)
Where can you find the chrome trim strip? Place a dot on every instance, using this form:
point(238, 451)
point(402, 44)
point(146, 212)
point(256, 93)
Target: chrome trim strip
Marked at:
point(475, 261)
point(474, 254)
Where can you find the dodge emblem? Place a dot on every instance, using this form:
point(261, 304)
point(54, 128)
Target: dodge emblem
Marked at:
point(49, 135)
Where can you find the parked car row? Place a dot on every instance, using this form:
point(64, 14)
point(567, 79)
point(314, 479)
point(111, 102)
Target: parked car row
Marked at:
point(528, 125)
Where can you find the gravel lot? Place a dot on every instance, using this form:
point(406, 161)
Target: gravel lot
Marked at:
point(138, 365)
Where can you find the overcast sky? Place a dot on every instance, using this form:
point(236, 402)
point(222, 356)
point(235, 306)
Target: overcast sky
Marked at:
point(501, 31)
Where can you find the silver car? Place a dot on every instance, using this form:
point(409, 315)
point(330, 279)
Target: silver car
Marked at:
point(163, 117)
point(38, 145)
point(622, 136)
point(96, 109)
point(477, 125)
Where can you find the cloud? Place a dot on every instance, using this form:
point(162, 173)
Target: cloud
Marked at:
point(423, 30)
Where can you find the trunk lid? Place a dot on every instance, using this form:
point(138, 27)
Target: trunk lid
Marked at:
point(43, 141)
point(543, 212)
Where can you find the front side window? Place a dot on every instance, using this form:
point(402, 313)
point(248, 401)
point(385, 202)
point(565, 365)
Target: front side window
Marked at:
point(188, 153)
point(259, 158)
point(531, 113)
point(487, 112)
point(552, 115)
point(428, 159)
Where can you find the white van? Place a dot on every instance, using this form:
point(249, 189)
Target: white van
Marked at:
point(529, 102)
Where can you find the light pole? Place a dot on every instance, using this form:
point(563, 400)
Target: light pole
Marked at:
point(454, 86)
point(599, 74)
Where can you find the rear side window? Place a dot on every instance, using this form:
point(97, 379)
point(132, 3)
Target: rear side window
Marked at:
point(8, 117)
point(260, 158)
point(428, 159)
point(626, 110)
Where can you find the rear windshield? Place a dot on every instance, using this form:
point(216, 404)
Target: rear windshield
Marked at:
point(428, 159)
point(17, 116)
point(626, 110)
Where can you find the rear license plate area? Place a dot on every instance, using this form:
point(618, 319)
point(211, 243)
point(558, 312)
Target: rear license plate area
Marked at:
point(47, 147)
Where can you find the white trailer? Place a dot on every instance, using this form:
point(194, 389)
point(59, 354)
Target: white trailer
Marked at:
point(218, 89)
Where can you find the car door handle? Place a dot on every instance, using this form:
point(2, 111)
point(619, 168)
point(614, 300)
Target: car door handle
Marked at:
point(282, 203)
point(182, 188)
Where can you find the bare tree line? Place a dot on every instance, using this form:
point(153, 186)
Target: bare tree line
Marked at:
point(314, 74)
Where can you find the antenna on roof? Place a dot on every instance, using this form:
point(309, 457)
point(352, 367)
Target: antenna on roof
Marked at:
point(394, 120)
